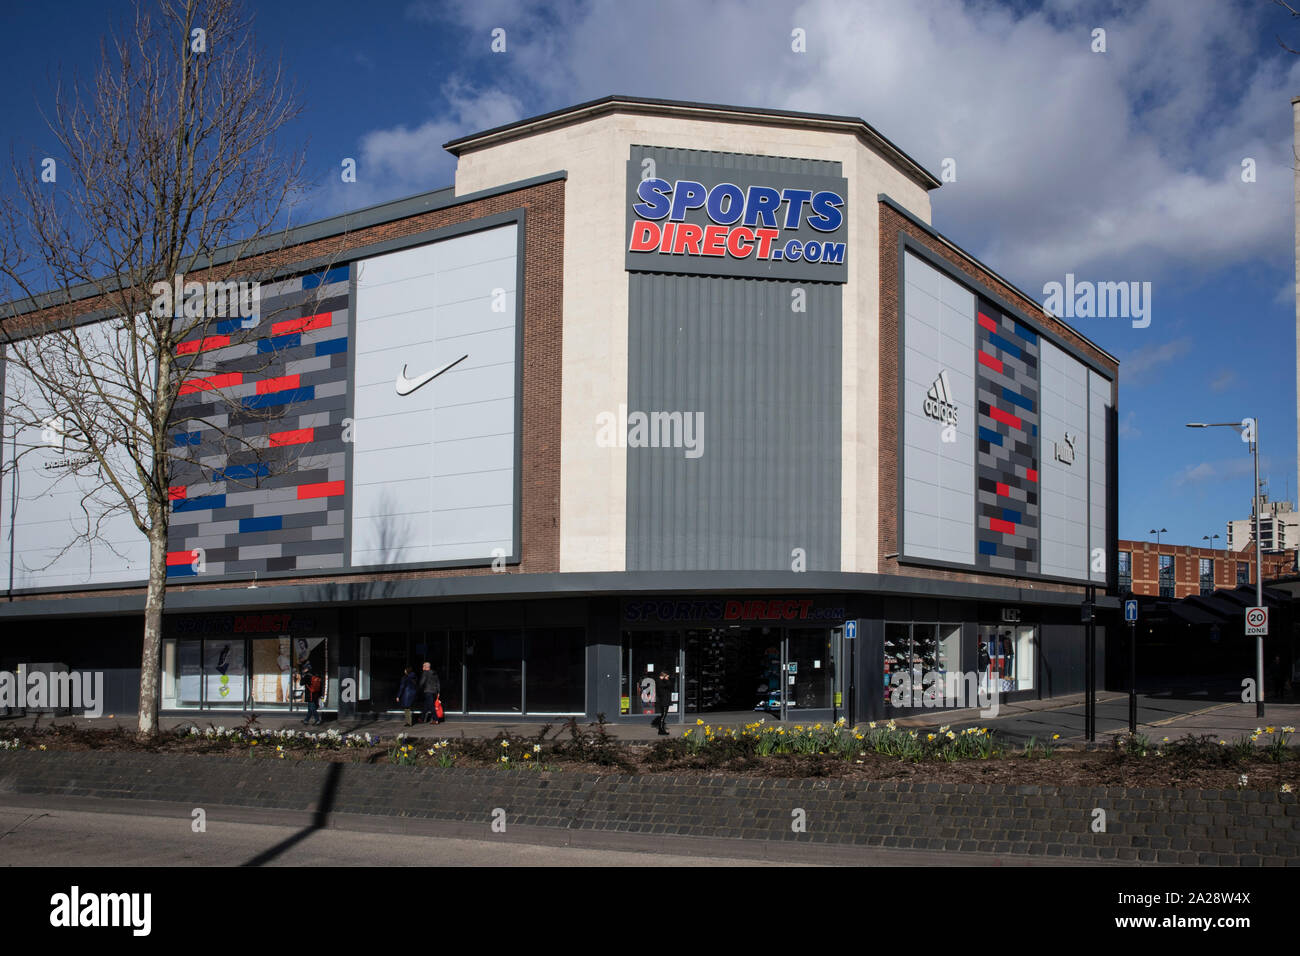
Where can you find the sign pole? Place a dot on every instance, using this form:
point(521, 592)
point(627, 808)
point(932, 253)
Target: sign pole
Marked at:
point(1131, 616)
point(1132, 678)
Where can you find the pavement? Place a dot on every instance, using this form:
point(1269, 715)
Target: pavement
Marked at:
point(1159, 715)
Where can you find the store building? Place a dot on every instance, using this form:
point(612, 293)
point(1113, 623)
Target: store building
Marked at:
point(654, 385)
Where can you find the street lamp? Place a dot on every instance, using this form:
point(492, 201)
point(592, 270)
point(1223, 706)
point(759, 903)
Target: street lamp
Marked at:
point(1248, 428)
point(1158, 532)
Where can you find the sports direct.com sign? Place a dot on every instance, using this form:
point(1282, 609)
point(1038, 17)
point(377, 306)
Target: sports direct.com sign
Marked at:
point(705, 220)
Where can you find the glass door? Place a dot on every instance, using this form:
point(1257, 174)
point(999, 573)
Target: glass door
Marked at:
point(645, 655)
point(808, 660)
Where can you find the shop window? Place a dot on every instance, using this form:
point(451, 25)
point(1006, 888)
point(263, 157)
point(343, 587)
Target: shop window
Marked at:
point(272, 671)
point(494, 669)
point(918, 661)
point(1005, 658)
point(556, 670)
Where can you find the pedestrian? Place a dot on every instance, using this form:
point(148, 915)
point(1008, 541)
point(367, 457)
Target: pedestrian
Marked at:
point(429, 690)
point(663, 694)
point(407, 692)
point(311, 689)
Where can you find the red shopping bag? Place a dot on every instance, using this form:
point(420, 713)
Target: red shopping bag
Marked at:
point(437, 707)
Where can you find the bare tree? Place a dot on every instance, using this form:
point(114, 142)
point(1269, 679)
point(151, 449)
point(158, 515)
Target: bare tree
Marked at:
point(169, 167)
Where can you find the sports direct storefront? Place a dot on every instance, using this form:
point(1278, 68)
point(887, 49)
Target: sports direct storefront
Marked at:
point(655, 387)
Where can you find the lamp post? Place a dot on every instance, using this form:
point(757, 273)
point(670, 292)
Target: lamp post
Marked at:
point(1158, 532)
point(1248, 428)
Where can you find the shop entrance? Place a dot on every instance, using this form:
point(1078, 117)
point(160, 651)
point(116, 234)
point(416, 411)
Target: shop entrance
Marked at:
point(740, 671)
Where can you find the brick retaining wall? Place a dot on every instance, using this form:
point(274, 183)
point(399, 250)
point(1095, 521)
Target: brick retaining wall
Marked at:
point(1208, 827)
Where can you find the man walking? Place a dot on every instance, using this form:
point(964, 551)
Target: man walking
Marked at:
point(663, 695)
point(429, 690)
point(311, 689)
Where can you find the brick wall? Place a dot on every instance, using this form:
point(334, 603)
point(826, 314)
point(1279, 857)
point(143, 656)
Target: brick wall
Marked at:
point(1145, 565)
point(1205, 827)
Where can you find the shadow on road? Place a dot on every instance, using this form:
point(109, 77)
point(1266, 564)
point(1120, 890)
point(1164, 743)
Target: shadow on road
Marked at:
point(323, 807)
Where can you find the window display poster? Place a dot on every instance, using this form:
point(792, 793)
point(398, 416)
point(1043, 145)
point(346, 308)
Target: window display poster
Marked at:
point(223, 668)
point(272, 670)
point(189, 671)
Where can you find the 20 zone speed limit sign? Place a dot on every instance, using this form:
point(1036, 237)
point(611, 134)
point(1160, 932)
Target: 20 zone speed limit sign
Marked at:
point(1256, 621)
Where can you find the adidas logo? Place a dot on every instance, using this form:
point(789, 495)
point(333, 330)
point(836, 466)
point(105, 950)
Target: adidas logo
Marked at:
point(938, 401)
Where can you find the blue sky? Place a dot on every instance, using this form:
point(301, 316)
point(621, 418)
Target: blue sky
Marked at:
point(1115, 166)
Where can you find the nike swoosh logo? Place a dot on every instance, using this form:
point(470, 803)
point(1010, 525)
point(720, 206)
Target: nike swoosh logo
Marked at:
point(405, 386)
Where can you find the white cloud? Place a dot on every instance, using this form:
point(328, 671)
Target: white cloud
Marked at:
point(407, 159)
point(1223, 380)
point(1227, 469)
point(1139, 363)
point(1128, 426)
point(1123, 165)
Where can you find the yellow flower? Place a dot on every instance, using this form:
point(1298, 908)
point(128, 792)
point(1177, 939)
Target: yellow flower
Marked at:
point(872, 725)
point(1269, 730)
point(505, 743)
point(698, 721)
point(528, 756)
point(1058, 737)
point(1288, 730)
point(929, 736)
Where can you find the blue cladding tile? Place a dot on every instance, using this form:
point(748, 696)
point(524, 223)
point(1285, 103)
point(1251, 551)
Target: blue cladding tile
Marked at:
point(269, 523)
point(332, 346)
point(1010, 514)
point(181, 571)
point(199, 504)
point(186, 438)
point(337, 274)
point(988, 547)
point(990, 436)
point(1004, 345)
point(279, 398)
point(241, 472)
point(279, 343)
point(1015, 399)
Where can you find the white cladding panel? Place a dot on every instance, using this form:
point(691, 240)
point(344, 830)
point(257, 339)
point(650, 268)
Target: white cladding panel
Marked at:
point(434, 471)
point(938, 475)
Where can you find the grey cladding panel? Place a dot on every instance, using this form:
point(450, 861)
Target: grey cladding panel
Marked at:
point(766, 381)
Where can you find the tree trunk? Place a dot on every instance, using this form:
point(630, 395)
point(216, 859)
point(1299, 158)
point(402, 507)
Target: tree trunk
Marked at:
point(153, 615)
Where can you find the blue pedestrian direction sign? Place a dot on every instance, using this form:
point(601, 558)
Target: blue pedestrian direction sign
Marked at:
point(1130, 611)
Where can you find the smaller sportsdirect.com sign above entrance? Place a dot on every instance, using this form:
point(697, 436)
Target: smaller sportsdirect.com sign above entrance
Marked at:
point(705, 220)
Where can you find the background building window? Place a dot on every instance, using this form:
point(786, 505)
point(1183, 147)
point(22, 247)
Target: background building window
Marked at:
point(1243, 572)
point(1125, 571)
point(1167, 575)
point(1207, 575)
